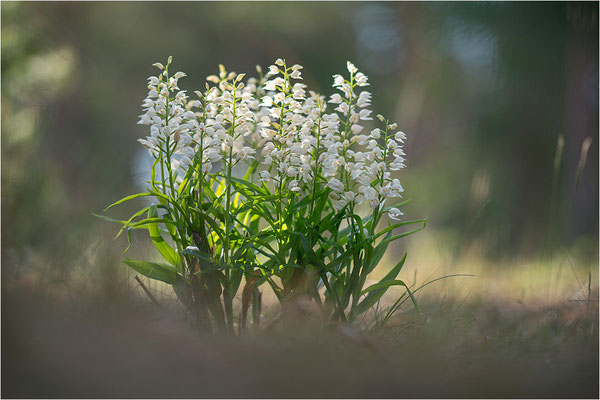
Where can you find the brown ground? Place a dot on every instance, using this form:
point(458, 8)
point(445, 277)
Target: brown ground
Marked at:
point(109, 349)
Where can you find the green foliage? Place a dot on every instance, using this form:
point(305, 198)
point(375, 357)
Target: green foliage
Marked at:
point(300, 233)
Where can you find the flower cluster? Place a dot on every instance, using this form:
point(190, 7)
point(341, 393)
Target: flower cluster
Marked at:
point(300, 142)
point(230, 118)
point(366, 173)
point(172, 124)
point(296, 129)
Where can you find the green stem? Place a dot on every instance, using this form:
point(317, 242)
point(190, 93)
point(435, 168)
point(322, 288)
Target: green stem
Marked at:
point(228, 297)
point(316, 172)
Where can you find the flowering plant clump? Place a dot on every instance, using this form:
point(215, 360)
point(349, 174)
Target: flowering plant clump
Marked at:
point(263, 181)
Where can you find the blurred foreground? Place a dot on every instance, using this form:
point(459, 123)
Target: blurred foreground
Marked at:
point(529, 329)
point(111, 351)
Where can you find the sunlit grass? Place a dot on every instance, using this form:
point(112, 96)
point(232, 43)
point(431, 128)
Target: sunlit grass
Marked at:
point(538, 279)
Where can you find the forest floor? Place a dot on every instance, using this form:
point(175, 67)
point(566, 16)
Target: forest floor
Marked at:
point(529, 329)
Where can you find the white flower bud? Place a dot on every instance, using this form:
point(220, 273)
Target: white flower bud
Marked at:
point(394, 213)
point(356, 129)
point(364, 115)
point(335, 98)
point(293, 186)
point(336, 185)
point(351, 68)
point(361, 79)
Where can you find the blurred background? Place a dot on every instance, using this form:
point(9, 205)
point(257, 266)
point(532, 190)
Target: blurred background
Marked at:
point(499, 102)
point(484, 91)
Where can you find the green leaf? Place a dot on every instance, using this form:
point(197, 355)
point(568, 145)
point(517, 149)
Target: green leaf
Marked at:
point(320, 202)
point(207, 219)
point(398, 225)
point(344, 232)
point(310, 253)
point(383, 285)
point(124, 199)
point(143, 224)
point(163, 247)
point(302, 203)
point(249, 185)
point(234, 281)
point(128, 241)
point(200, 255)
point(109, 219)
point(161, 272)
point(376, 294)
point(350, 252)
point(183, 291)
point(312, 230)
point(392, 238)
point(153, 174)
point(134, 216)
point(377, 254)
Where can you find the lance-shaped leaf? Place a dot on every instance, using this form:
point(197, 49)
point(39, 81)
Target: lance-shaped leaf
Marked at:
point(162, 272)
point(124, 199)
point(383, 285)
point(163, 247)
point(376, 293)
point(377, 255)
